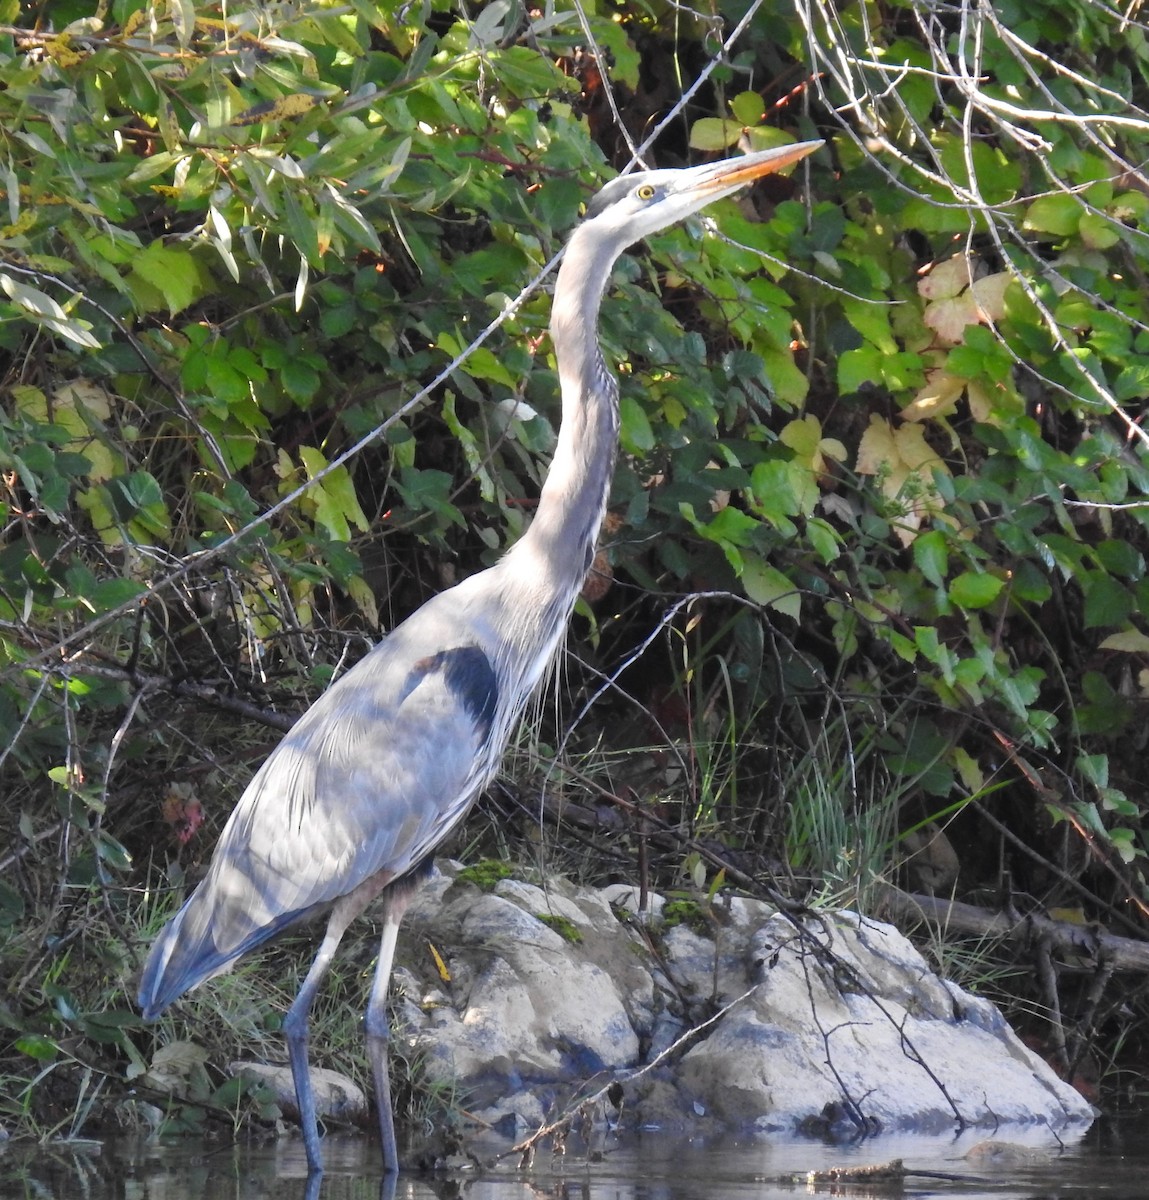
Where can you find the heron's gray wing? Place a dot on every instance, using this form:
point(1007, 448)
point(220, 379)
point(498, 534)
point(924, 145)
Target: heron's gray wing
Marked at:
point(378, 772)
point(365, 784)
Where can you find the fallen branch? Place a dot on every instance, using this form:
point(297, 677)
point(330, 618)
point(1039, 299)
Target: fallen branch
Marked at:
point(1085, 946)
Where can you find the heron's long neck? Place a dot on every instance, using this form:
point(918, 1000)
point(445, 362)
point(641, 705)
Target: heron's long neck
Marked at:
point(560, 541)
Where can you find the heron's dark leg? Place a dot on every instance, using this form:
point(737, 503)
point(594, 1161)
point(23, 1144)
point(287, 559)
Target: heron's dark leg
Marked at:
point(295, 1025)
point(395, 900)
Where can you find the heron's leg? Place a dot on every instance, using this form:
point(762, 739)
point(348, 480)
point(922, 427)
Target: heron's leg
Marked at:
point(295, 1027)
point(377, 1025)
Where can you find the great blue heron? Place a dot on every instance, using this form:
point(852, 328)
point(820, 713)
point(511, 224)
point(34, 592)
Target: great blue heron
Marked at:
point(353, 801)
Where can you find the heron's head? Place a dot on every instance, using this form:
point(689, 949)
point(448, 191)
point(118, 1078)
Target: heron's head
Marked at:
point(633, 206)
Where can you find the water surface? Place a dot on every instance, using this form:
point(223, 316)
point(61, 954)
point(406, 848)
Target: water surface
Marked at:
point(1110, 1161)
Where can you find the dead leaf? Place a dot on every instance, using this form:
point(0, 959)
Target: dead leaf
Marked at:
point(959, 297)
point(989, 295)
point(938, 398)
point(947, 279)
point(904, 463)
point(949, 317)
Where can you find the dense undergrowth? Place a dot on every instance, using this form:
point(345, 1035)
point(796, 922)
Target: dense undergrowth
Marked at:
point(874, 572)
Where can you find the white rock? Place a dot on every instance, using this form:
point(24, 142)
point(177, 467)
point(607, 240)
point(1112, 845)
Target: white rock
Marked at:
point(843, 1017)
point(862, 1026)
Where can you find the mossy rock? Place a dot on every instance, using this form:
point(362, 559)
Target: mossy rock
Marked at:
point(563, 926)
point(486, 875)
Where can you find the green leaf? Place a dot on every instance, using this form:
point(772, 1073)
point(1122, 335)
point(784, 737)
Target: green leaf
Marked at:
point(1098, 231)
point(336, 505)
point(824, 538)
point(872, 321)
point(1058, 214)
point(748, 108)
point(1095, 768)
point(635, 430)
point(1133, 381)
point(857, 368)
point(36, 1046)
point(767, 585)
point(931, 556)
point(789, 384)
point(172, 272)
point(1108, 603)
point(714, 133)
point(975, 589)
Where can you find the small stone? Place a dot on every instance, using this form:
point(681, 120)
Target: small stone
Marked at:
point(335, 1095)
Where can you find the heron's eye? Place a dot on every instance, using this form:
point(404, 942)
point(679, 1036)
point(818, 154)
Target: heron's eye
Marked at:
point(645, 192)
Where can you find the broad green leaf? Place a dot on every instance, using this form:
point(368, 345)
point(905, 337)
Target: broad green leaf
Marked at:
point(1107, 602)
point(1097, 231)
point(1058, 214)
point(748, 107)
point(824, 538)
point(857, 368)
point(931, 556)
point(37, 1046)
point(336, 505)
point(975, 589)
point(789, 384)
point(767, 585)
point(635, 430)
point(1128, 641)
point(172, 272)
point(714, 133)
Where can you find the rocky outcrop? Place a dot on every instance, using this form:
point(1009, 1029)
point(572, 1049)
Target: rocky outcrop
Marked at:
point(748, 1021)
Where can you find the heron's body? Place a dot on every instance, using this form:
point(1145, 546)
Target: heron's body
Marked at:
point(386, 763)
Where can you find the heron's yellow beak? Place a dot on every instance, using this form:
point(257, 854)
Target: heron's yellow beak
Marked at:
point(736, 171)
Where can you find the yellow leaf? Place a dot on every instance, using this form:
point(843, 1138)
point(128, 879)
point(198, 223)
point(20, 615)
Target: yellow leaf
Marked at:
point(914, 450)
point(293, 105)
point(81, 408)
point(360, 591)
point(949, 317)
point(802, 435)
point(981, 404)
point(938, 398)
point(876, 449)
point(947, 279)
point(904, 462)
point(440, 965)
point(1131, 641)
point(1070, 916)
point(968, 769)
point(958, 299)
point(82, 393)
point(989, 295)
point(991, 404)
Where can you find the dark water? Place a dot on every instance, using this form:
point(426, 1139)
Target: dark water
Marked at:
point(1111, 1160)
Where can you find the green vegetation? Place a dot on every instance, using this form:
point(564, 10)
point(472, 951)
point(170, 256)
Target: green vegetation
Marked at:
point(690, 913)
point(486, 875)
point(275, 371)
point(563, 926)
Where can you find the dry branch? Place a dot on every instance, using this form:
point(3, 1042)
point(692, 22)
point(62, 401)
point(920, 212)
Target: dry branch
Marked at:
point(1084, 947)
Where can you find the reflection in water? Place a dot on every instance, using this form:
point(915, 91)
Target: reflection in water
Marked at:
point(652, 1167)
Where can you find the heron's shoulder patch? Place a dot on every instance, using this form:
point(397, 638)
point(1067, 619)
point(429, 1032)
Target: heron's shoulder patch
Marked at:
point(468, 675)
